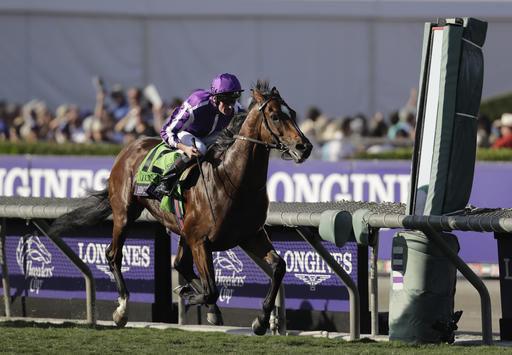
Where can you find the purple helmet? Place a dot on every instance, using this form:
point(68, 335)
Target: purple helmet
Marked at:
point(225, 83)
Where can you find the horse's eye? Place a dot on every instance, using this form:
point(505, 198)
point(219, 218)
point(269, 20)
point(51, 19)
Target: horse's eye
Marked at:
point(275, 117)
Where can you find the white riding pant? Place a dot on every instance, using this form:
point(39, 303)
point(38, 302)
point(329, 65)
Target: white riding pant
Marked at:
point(202, 144)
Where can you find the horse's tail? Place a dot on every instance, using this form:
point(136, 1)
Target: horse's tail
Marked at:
point(95, 209)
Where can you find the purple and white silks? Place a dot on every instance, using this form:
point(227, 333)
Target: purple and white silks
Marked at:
point(198, 116)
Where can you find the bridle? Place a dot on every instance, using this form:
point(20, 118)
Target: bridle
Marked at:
point(277, 144)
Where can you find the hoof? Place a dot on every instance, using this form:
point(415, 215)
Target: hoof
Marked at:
point(214, 318)
point(119, 319)
point(258, 328)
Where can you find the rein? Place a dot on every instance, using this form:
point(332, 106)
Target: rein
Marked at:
point(279, 146)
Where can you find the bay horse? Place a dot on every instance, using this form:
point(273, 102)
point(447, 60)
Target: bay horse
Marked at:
point(226, 205)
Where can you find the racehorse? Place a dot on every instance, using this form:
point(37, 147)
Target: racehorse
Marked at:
point(226, 202)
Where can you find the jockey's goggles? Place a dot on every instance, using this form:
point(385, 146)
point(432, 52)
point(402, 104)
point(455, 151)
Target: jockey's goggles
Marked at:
point(229, 98)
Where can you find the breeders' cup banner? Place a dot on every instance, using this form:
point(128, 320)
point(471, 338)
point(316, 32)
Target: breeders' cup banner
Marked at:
point(37, 268)
point(310, 284)
point(312, 181)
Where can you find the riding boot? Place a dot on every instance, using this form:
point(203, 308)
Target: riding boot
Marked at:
point(170, 177)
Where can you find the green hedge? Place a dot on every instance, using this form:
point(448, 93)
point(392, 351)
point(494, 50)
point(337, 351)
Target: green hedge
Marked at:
point(483, 154)
point(42, 148)
point(397, 154)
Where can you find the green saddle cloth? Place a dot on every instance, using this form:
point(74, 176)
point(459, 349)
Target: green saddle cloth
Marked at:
point(156, 162)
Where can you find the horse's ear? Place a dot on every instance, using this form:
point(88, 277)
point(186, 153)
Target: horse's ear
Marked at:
point(257, 95)
point(274, 91)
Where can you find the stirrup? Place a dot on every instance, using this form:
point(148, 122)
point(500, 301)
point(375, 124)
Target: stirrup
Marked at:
point(167, 187)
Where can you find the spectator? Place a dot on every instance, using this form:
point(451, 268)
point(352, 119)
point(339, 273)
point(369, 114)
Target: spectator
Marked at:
point(483, 132)
point(397, 125)
point(135, 123)
point(408, 118)
point(505, 141)
point(58, 124)
point(98, 130)
point(378, 130)
point(119, 106)
point(27, 123)
point(341, 147)
point(99, 127)
point(15, 121)
point(157, 107)
point(43, 117)
point(407, 113)
point(378, 127)
point(359, 125)
point(166, 110)
point(314, 125)
point(67, 125)
point(331, 129)
point(4, 124)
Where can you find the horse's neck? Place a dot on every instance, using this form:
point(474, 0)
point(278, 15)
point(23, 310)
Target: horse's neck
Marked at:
point(250, 160)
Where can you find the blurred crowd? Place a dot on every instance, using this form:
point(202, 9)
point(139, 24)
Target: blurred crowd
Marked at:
point(121, 115)
point(337, 138)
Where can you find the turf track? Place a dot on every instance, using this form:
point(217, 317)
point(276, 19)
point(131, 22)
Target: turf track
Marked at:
point(30, 337)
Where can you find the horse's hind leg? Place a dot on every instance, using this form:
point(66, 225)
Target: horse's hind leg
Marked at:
point(261, 248)
point(114, 254)
point(183, 263)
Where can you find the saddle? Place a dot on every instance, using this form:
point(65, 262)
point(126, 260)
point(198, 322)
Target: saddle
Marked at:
point(150, 172)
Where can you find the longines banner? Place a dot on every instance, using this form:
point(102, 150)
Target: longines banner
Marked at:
point(311, 181)
point(39, 269)
point(309, 282)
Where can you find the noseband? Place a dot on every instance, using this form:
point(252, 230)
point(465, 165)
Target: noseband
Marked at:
point(277, 144)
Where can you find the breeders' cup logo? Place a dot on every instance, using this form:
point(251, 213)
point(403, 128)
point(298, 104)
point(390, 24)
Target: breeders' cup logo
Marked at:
point(312, 280)
point(34, 261)
point(133, 256)
point(227, 269)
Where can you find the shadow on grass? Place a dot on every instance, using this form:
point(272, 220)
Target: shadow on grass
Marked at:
point(364, 341)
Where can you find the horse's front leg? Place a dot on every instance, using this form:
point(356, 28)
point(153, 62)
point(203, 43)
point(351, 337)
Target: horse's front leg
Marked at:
point(261, 248)
point(208, 295)
point(183, 263)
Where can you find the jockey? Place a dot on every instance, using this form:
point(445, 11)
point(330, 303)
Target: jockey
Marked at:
point(199, 119)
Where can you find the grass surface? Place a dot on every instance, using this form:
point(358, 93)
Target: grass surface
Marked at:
point(27, 337)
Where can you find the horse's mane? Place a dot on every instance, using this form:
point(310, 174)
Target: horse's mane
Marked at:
point(225, 138)
point(263, 87)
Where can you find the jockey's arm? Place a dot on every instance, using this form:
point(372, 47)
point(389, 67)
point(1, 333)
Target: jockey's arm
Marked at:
point(173, 125)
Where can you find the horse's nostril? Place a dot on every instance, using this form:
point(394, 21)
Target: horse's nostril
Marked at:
point(304, 147)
